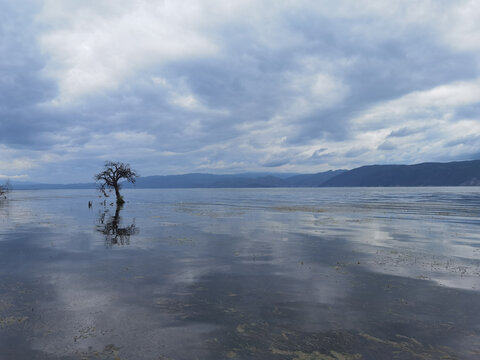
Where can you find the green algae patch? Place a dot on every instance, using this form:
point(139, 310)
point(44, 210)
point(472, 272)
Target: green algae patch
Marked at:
point(231, 354)
point(109, 352)
point(241, 328)
point(85, 333)
point(4, 305)
point(315, 355)
point(408, 345)
point(12, 320)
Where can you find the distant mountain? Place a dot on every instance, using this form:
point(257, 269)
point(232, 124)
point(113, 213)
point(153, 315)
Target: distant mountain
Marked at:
point(263, 174)
point(245, 180)
point(312, 180)
point(34, 186)
point(459, 173)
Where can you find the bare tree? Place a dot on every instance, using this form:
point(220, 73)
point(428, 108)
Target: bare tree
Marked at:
point(112, 174)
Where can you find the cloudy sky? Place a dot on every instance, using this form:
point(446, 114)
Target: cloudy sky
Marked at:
point(231, 86)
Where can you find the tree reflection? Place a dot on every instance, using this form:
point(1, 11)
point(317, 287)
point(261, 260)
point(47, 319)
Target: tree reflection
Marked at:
point(4, 208)
point(114, 233)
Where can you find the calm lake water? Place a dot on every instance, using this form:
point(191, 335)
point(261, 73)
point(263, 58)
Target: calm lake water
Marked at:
point(300, 274)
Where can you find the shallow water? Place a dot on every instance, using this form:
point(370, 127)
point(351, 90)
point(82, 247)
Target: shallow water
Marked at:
point(241, 274)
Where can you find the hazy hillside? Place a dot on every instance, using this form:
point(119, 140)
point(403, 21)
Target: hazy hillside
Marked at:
point(461, 173)
point(35, 186)
point(312, 180)
point(245, 180)
point(234, 181)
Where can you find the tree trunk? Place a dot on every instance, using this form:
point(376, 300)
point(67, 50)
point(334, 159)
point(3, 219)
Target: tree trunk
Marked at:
point(120, 200)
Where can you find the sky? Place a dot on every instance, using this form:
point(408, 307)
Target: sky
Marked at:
point(222, 87)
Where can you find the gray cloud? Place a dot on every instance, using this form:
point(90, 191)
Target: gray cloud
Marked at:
point(275, 163)
point(222, 90)
point(387, 145)
point(465, 140)
point(404, 132)
point(21, 62)
point(354, 152)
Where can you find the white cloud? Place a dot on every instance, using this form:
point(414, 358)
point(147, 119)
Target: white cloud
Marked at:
point(180, 95)
point(127, 144)
point(12, 160)
point(433, 104)
point(429, 116)
point(460, 25)
point(313, 91)
point(454, 23)
point(13, 177)
point(313, 87)
point(95, 47)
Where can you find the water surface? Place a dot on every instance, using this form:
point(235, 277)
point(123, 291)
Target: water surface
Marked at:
point(241, 274)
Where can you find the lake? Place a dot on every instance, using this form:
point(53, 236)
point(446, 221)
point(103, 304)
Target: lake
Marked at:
point(303, 274)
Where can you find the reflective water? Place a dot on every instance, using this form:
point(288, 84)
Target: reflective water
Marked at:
point(241, 274)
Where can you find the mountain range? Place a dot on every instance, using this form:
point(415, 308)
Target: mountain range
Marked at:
point(459, 173)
